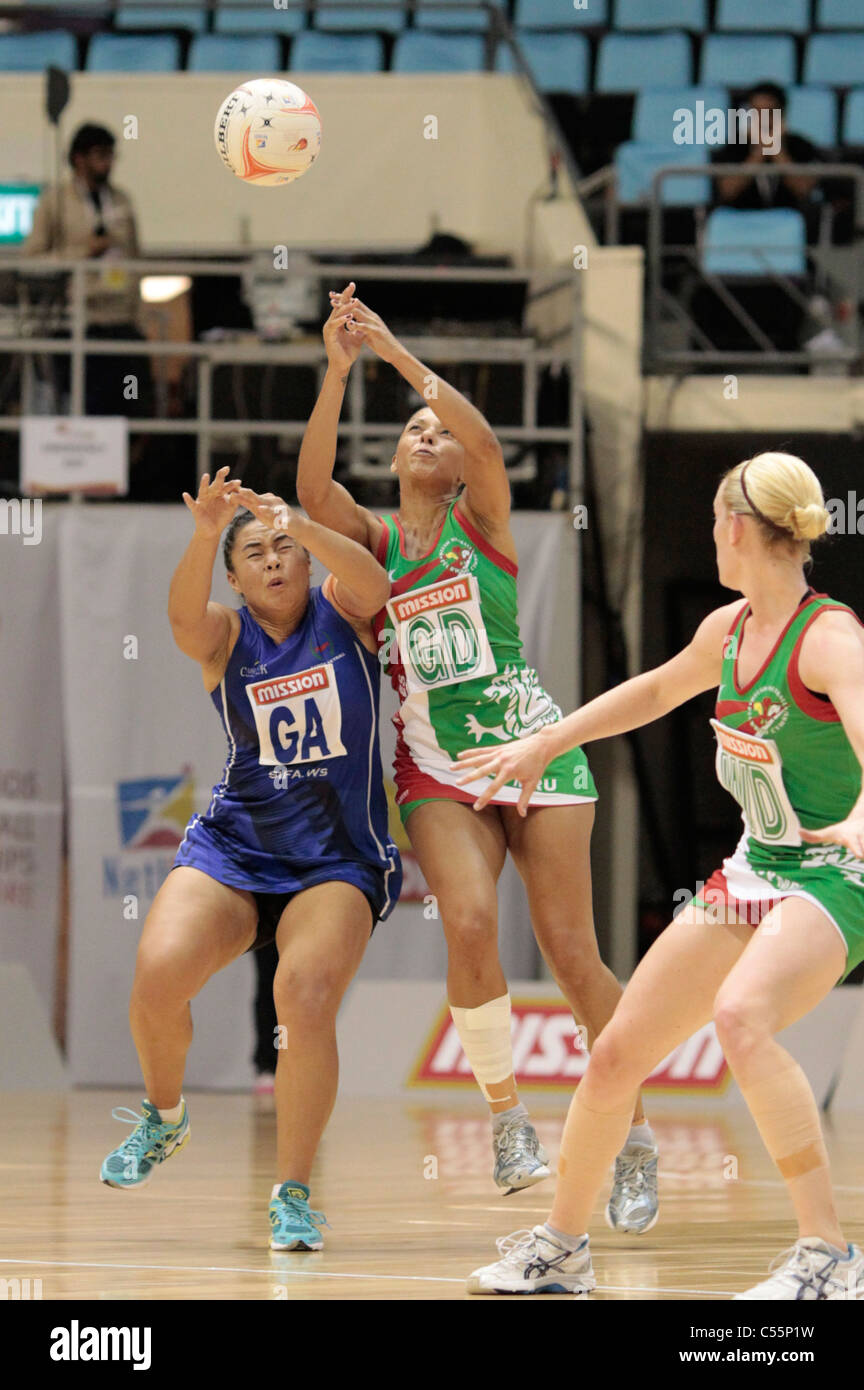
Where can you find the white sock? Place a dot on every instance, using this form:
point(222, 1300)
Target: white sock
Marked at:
point(569, 1242)
point(641, 1134)
point(170, 1117)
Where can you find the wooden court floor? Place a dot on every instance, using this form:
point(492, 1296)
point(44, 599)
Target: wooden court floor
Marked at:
point(406, 1187)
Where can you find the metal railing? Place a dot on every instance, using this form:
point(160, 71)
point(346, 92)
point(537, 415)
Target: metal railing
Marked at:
point(825, 264)
point(563, 348)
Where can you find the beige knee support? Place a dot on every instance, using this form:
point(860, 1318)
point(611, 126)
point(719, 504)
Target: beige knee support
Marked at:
point(786, 1116)
point(484, 1033)
point(590, 1141)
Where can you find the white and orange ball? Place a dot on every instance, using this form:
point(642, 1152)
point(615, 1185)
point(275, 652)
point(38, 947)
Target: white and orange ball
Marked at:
point(268, 132)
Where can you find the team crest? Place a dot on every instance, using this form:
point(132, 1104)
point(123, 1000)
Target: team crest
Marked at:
point(459, 558)
point(768, 712)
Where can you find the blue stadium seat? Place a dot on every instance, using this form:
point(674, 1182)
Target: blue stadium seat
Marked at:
point(160, 17)
point(837, 60)
point(560, 14)
point(426, 51)
point(754, 243)
point(840, 14)
point(35, 52)
point(251, 17)
point(357, 15)
point(654, 114)
point(662, 14)
point(738, 60)
point(786, 16)
point(853, 118)
point(462, 17)
point(314, 52)
point(254, 54)
point(812, 112)
point(636, 164)
point(133, 53)
point(629, 62)
point(558, 62)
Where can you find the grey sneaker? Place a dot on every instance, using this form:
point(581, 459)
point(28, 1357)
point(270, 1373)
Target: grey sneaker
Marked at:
point(520, 1159)
point(531, 1262)
point(810, 1269)
point(633, 1203)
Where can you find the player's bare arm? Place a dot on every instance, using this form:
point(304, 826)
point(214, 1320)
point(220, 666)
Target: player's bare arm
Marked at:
point(325, 500)
point(641, 700)
point(204, 630)
point(486, 498)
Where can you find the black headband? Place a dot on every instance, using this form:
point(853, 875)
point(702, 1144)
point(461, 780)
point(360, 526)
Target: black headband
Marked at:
point(752, 505)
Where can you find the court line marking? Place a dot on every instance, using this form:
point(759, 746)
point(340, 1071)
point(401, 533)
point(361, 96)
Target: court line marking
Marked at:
point(325, 1274)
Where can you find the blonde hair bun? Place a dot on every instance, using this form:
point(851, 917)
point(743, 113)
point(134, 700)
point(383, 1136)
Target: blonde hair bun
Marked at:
point(808, 523)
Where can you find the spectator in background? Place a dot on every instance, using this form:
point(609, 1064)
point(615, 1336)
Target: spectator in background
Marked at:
point(88, 217)
point(782, 147)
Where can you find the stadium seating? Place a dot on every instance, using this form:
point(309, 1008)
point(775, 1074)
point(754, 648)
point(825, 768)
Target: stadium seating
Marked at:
point(662, 14)
point(160, 17)
point(773, 240)
point(247, 53)
point(836, 60)
point(357, 15)
point(251, 17)
point(786, 16)
point(329, 52)
point(737, 60)
point(463, 17)
point(654, 112)
point(426, 51)
point(853, 118)
point(840, 14)
point(133, 53)
point(560, 14)
point(812, 112)
point(558, 62)
point(35, 52)
point(629, 62)
point(637, 163)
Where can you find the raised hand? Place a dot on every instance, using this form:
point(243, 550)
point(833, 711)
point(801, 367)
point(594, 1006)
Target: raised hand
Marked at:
point(523, 760)
point(343, 346)
point(369, 327)
point(849, 833)
point(216, 502)
point(269, 509)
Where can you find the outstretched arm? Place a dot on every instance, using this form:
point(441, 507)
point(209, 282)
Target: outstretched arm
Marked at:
point(487, 489)
point(203, 629)
point(360, 585)
point(628, 706)
point(327, 501)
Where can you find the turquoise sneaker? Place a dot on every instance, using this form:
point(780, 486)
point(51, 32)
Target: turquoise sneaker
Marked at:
point(149, 1144)
point(294, 1225)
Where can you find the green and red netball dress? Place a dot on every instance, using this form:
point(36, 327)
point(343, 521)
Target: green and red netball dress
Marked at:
point(784, 755)
point(451, 646)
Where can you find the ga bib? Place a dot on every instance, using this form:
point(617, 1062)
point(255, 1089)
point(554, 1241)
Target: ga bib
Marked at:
point(441, 635)
point(298, 718)
point(752, 771)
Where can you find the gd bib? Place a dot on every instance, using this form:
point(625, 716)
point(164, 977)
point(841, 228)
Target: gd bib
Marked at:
point(752, 771)
point(298, 718)
point(441, 635)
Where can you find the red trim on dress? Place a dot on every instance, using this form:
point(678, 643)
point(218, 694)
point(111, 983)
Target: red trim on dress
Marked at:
point(752, 910)
point(806, 700)
point(414, 785)
point(402, 539)
point(383, 542)
point(502, 561)
point(742, 690)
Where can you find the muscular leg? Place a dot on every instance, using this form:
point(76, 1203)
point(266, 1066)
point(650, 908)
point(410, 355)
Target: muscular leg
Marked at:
point(461, 854)
point(194, 928)
point(670, 995)
point(551, 848)
point(795, 959)
point(322, 936)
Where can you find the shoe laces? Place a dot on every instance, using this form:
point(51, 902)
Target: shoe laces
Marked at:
point(516, 1247)
point(515, 1138)
point(629, 1172)
point(801, 1266)
point(146, 1136)
point(298, 1209)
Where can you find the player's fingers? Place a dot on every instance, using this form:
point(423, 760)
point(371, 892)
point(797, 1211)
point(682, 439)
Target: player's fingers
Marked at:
point(814, 837)
point(190, 503)
point(204, 484)
point(485, 769)
point(528, 790)
point(486, 795)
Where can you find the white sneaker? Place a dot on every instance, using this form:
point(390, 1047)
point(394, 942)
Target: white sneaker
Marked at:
point(810, 1269)
point(534, 1262)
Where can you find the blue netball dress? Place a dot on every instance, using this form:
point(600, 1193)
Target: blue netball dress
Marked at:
point(301, 800)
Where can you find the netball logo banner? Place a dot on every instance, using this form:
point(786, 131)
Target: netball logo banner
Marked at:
point(548, 1052)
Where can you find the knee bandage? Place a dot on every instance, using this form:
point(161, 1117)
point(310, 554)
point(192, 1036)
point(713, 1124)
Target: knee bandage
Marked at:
point(786, 1116)
point(484, 1033)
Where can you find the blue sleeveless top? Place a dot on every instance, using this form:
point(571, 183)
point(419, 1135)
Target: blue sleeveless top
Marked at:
point(302, 799)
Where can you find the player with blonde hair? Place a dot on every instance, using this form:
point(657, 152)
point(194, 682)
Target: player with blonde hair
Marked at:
point(778, 926)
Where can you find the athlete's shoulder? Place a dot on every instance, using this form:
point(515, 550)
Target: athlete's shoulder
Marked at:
point(832, 629)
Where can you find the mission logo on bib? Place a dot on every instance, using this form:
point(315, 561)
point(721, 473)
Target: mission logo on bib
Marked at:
point(298, 717)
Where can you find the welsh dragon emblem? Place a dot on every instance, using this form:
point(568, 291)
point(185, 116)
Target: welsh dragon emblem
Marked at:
point(527, 707)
